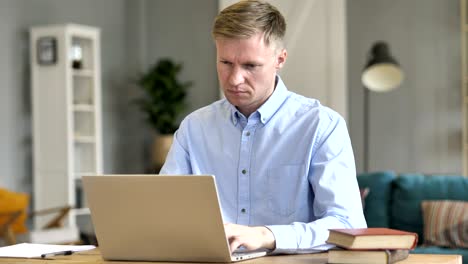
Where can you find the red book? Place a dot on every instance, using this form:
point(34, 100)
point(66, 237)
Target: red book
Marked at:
point(372, 238)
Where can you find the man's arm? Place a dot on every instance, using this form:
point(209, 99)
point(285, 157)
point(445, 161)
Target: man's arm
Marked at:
point(337, 203)
point(177, 160)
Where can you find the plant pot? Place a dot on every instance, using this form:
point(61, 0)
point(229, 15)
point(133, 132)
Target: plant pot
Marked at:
point(161, 146)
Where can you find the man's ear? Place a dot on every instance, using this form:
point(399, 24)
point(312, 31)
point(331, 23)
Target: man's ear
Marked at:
point(281, 58)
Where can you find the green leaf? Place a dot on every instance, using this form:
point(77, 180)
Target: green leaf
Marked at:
point(164, 95)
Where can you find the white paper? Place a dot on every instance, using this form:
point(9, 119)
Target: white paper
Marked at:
point(29, 250)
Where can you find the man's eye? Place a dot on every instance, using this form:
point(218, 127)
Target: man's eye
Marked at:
point(226, 62)
point(250, 66)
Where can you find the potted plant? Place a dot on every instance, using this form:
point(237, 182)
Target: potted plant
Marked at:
point(162, 103)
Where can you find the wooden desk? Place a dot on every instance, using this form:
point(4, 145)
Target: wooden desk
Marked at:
point(94, 257)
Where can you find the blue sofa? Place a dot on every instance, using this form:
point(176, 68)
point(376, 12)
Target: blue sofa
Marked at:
point(394, 201)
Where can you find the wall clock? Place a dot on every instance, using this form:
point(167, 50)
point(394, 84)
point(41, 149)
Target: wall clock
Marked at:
point(47, 50)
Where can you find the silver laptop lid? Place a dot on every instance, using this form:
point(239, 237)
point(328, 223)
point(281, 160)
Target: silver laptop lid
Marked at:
point(157, 218)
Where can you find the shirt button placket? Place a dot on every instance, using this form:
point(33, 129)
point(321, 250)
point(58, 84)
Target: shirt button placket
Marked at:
point(243, 180)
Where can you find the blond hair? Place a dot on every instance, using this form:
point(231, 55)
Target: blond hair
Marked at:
point(249, 17)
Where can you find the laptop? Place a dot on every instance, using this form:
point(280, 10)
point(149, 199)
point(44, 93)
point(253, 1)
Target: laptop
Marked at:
point(159, 218)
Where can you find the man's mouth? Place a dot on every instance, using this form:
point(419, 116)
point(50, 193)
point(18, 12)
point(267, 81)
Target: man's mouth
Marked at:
point(236, 92)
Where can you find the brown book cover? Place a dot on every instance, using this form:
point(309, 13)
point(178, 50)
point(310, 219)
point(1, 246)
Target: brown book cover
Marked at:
point(373, 238)
point(367, 256)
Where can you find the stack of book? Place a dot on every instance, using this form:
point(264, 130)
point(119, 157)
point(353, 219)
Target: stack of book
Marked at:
point(370, 245)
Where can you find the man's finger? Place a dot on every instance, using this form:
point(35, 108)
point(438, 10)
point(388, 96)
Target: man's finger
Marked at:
point(234, 243)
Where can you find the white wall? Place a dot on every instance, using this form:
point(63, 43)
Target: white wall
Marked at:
point(416, 128)
point(181, 30)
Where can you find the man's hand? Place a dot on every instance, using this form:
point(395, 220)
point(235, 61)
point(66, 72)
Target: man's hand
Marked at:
point(251, 237)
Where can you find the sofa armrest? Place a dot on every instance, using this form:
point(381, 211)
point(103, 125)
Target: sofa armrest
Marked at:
point(377, 202)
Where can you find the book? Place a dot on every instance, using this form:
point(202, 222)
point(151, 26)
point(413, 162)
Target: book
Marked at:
point(367, 256)
point(373, 238)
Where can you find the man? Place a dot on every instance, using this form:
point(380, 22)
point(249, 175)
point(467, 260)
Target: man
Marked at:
point(283, 163)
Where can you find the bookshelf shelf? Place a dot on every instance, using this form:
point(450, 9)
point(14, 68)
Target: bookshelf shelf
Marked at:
point(83, 107)
point(85, 139)
point(83, 73)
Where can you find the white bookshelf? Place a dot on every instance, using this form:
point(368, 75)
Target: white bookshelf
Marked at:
point(66, 96)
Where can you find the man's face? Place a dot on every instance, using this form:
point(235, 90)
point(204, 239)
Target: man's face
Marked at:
point(247, 70)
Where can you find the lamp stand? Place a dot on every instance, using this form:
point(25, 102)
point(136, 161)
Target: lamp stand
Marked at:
point(366, 130)
point(381, 74)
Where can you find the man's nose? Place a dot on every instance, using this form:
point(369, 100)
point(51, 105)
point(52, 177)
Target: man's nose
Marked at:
point(236, 76)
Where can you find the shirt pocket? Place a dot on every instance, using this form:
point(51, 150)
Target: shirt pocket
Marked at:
point(287, 189)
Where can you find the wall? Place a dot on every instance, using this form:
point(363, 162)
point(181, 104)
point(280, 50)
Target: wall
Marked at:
point(181, 30)
point(316, 44)
point(130, 41)
point(416, 128)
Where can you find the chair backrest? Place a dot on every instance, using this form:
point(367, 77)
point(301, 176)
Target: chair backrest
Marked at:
point(11, 202)
point(13, 207)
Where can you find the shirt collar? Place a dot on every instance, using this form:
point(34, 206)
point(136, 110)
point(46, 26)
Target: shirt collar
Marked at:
point(269, 108)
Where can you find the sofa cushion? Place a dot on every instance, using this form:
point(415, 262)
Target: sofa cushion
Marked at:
point(445, 223)
point(377, 202)
point(411, 189)
point(441, 250)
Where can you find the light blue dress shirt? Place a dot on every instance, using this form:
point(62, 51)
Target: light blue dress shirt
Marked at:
point(288, 166)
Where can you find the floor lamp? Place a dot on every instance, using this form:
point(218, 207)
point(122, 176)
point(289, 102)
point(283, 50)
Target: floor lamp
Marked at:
point(382, 73)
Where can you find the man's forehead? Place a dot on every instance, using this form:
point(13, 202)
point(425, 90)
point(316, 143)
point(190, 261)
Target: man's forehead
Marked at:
point(254, 45)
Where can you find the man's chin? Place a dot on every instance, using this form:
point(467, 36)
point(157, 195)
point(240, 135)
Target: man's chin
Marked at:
point(236, 100)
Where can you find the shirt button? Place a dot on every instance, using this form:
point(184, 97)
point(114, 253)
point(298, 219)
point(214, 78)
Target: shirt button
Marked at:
point(247, 134)
point(243, 210)
point(244, 171)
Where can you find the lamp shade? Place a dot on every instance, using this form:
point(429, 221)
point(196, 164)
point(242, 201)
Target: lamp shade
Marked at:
point(382, 72)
